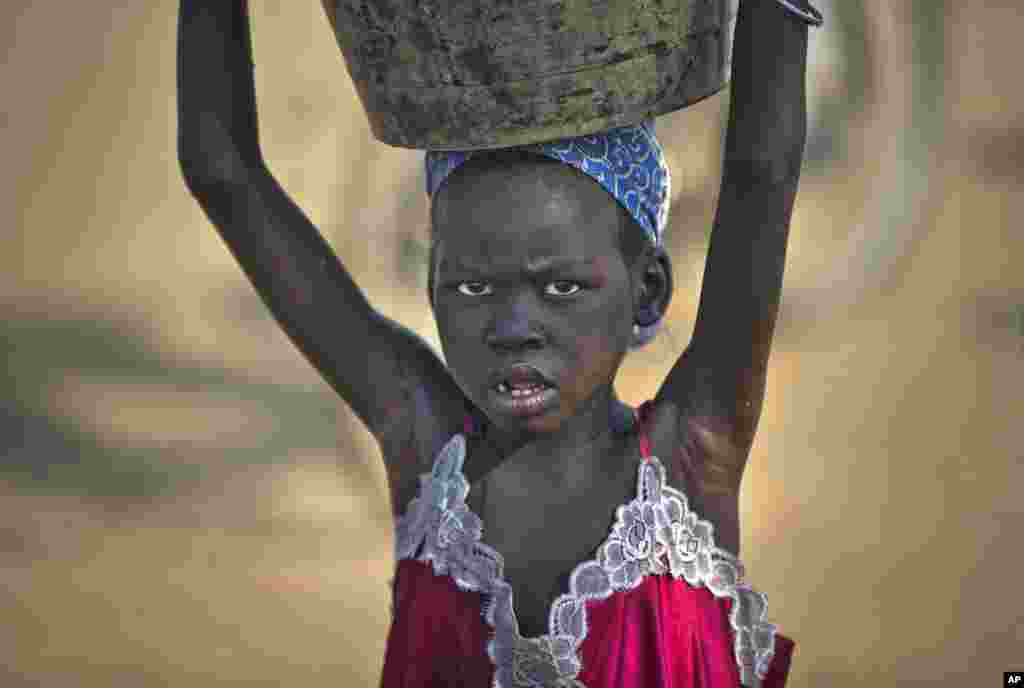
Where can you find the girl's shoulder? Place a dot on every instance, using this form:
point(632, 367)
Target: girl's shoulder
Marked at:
point(697, 455)
point(425, 414)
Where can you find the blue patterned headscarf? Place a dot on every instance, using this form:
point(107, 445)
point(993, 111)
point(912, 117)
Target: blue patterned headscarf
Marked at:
point(627, 161)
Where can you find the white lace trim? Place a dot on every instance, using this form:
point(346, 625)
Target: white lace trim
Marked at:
point(655, 533)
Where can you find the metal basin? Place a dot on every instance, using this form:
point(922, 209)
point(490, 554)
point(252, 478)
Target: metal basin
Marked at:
point(474, 74)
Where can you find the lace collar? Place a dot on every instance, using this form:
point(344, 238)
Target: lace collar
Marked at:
point(655, 533)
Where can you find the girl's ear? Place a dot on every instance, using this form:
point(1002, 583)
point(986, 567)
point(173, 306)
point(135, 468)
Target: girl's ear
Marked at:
point(654, 287)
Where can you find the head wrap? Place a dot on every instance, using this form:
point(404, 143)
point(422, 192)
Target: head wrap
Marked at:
point(627, 162)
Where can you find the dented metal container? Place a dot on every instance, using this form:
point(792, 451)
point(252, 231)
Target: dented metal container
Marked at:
point(474, 74)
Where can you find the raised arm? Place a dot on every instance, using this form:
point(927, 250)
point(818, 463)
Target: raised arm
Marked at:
point(373, 363)
point(720, 378)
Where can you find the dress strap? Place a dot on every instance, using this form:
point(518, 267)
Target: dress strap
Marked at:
point(641, 417)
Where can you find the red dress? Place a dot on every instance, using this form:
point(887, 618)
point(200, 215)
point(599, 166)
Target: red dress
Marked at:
point(659, 606)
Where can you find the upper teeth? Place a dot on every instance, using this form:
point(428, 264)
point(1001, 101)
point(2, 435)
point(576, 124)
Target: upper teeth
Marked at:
point(504, 388)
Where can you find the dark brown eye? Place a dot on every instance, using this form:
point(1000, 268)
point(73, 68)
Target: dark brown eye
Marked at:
point(574, 288)
point(472, 288)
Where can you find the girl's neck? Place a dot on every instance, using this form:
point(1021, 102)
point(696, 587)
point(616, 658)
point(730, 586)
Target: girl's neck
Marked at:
point(565, 457)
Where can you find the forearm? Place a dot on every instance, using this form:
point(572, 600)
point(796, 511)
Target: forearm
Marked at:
point(217, 124)
point(743, 274)
point(767, 115)
point(294, 270)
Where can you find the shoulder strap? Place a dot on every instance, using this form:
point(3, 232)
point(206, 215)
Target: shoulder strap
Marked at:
point(642, 416)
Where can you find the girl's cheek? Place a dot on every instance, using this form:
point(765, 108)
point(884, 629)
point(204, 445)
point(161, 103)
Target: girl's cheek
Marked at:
point(446, 324)
point(602, 268)
point(595, 348)
point(589, 349)
point(594, 357)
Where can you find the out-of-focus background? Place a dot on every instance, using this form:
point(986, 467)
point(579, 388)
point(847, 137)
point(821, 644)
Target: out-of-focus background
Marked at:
point(184, 503)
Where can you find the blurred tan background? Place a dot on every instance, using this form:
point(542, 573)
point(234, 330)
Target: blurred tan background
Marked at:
point(184, 503)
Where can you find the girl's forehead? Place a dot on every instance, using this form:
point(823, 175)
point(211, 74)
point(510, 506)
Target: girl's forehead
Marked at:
point(528, 220)
point(544, 191)
point(530, 246)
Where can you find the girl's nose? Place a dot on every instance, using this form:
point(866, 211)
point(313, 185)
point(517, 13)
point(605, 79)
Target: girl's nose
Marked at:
point(512, 330)
point(509, 339)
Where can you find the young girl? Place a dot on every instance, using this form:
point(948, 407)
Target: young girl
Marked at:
point(609, 556)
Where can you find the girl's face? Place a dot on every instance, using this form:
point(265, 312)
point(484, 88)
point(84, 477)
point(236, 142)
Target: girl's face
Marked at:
point(529, 271)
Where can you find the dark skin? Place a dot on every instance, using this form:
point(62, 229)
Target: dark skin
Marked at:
point(572, 318)
point(545, 486)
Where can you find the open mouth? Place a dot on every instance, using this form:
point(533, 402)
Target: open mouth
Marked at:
point(525, 401)
point(523, 390)
point(519, 389)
